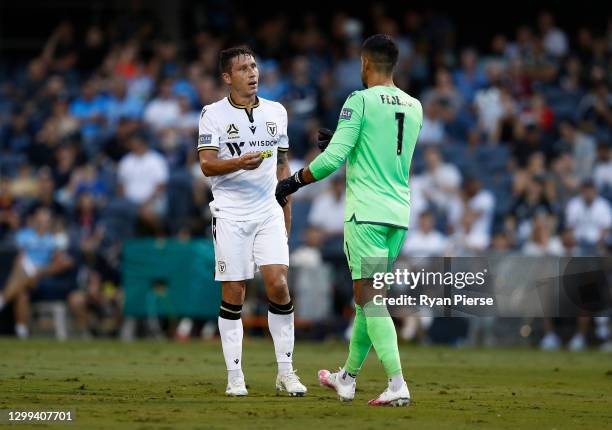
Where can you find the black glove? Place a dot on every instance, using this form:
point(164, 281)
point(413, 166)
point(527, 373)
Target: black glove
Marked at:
point(288, 186)
point(325, 135)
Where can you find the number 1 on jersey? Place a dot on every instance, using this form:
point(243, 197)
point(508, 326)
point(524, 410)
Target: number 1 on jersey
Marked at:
point(399, 116)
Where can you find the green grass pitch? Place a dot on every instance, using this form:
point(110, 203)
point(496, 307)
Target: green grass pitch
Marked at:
point(148, 385)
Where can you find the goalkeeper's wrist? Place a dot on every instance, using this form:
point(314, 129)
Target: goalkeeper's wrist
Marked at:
point(299, 178)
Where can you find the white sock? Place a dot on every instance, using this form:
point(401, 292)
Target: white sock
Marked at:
point(396, 382)
point(21, 330)
point(346, 378)
point(281, 329)
point(231, 340)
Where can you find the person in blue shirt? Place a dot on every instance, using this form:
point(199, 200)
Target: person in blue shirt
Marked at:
point(89, 109)
point(41, 254)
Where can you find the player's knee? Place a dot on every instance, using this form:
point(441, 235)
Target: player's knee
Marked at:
point(278, 291)
point(233, 292)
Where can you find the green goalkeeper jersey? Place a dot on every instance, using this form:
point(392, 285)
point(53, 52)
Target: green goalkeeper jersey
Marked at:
point(377, 132)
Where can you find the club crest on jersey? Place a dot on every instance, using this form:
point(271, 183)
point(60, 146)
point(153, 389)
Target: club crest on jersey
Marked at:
point(232, 130)
point(272, 129)
point(222, 266)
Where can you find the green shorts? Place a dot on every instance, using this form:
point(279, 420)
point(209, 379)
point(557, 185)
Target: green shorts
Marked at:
point(371, 248)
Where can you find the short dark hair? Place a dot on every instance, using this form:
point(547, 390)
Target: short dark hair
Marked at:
point(227, 55)
point(382, 50)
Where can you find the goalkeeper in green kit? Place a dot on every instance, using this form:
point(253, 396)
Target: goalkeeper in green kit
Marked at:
point(377, 132)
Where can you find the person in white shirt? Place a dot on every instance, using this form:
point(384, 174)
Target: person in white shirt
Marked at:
point(327, 211)
point(542, 241)
point(143, 174)
point(163, 111)
point(242, 147)
point(479, 201)
point(469, 238)
point(441, 180)
point(555, 40)
point(589, 215)
point(425, 241)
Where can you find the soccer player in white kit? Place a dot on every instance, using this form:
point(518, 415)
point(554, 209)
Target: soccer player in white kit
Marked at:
point(242, 147)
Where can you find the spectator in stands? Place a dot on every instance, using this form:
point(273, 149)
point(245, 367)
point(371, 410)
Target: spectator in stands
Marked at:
point(433, 131)
point(489, 102)
point(425, 241)
point(602, 173)
point(590, 217)
point(444, 92)
point(121, 104)
point(470, 78)
point(163, 111)
point(596, 107)
point(479, 204)
point(581, 145)
point(96, 307)
point(562, 180)
point(143, 174)
point(18, 135)
point(441, 181)
point(469, 238)
point(41, 254)
point(9, 218)
point(89, 109)
point(45, 196)
point(543, 242)
point(555, 40)
point(60, 51)
point(531, 202)
point(327, 211)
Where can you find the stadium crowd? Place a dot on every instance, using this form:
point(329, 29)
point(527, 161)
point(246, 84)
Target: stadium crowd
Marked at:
point(98, 135)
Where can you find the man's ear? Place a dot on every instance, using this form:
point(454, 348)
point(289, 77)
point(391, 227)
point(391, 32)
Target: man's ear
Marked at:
point(226, 78)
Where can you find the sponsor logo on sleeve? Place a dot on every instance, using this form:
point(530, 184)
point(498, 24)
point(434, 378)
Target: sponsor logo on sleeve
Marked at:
point(346, 114)
point(205, 139)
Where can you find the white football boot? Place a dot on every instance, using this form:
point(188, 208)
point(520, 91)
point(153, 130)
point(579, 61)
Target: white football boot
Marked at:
point(290, 383)
point(389, 397)
point(346, 392)
point(236, 387)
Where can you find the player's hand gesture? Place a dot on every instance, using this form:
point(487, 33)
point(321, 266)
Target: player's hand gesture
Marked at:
point(324, 137)
point(250, 161)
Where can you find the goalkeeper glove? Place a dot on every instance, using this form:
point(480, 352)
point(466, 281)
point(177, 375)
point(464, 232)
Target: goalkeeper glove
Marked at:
point(325, 136)
point(288, 186)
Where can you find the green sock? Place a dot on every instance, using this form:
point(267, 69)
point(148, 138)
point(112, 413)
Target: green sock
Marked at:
point(381, 331)
point(360, 343)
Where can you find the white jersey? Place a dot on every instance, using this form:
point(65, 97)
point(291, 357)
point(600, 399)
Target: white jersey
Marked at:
point(228, 128)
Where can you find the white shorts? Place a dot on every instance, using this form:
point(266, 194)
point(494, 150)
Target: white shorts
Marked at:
point(242, 246)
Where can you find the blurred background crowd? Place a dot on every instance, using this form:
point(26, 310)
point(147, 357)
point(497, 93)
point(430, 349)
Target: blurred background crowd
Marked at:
point(98, 128)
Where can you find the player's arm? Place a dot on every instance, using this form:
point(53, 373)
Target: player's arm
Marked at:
point(208, 149)
point(340, 146)
point(211, 165)
point(283, 172)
